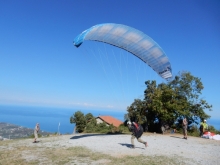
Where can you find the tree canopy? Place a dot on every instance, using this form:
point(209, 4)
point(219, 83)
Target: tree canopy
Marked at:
point(80, 121)
point(170, 102)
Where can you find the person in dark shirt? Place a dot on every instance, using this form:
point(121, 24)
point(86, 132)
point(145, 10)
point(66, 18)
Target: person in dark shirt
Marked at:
point(137, 132)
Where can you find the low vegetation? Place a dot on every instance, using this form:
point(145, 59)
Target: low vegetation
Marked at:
point(87, 124)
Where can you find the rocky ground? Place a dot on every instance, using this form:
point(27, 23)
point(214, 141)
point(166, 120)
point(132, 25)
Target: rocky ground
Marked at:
point(194, 150)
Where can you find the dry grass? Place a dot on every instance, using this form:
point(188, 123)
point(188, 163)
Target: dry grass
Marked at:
point(13, 152)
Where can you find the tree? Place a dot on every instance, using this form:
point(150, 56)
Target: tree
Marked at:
point(137, 111)
point(90, 123)
point(79, 119)
point(159, 107)
point(189, 89)
point(169, 102)
point(88, 117)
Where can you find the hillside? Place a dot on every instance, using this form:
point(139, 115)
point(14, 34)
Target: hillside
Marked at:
point(11, 131)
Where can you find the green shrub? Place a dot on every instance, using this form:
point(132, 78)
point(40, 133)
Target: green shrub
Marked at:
point(123, 129)
point(212, 129)
point(194, 131)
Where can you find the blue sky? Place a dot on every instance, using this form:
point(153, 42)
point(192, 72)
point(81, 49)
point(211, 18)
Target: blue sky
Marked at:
point(39, 64)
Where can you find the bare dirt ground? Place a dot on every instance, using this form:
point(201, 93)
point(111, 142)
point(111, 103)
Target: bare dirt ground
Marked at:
point(197, 150)
point(170, 147)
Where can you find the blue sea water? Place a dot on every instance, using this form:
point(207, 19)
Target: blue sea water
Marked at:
point(48, 117)
point(215, 123)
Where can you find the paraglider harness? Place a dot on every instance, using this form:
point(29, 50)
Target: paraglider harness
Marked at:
point(136, 129)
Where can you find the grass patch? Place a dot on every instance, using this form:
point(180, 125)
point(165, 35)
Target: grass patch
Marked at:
point(39, 154)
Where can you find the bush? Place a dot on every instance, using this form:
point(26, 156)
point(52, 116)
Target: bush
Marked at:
point(123, 129)
point(212, 129)
point(103, 128)
point(194, 131)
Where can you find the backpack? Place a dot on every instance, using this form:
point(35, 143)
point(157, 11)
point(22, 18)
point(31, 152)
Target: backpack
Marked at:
point(137, 127)
point(138, 130)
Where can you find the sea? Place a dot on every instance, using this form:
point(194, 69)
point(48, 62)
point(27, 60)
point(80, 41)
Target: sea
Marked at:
point(57, 120)
point(51, 119)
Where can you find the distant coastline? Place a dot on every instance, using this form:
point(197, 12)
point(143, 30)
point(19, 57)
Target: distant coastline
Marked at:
point(56, 119)
point(11, 131)
point(50, 119)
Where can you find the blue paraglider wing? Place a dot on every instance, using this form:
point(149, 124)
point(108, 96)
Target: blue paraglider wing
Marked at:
point(131, 40)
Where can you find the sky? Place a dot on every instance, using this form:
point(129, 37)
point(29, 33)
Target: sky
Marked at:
point(40, 66)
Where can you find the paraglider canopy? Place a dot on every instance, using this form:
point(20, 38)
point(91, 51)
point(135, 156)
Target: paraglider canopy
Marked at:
point(131, 40)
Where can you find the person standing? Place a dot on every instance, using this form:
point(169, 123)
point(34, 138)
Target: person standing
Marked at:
point(185, 123)
point(36, 130)
point(137, 132)
point(203, 127)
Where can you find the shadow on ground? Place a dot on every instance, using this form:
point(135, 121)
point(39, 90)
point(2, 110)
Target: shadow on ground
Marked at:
point(176, 137)
point(89, 135)
point(128, 145)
